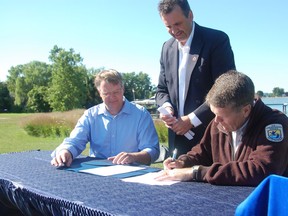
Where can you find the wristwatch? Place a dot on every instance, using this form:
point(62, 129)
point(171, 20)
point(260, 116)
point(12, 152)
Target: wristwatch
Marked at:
point(195, 173)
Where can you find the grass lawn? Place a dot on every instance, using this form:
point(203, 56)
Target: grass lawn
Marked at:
point(15, 139)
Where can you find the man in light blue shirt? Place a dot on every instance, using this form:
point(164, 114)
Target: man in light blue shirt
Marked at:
point(116, 129)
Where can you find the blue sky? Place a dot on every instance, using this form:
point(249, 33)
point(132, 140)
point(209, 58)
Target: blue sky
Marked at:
point(127, 35)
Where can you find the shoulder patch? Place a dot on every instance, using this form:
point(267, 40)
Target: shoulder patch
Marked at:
point(274, 132)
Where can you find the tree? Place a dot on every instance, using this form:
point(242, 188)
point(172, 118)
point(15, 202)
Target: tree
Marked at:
point(15, 73)
point(278, 92)
point(37, 100)
point(69, 79)
point(5, 99)
point(23, 78)
point(260, 94)
point(93, 96)
point(137, 86)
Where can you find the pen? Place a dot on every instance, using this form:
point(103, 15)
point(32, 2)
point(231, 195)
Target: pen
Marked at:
point(174, 154)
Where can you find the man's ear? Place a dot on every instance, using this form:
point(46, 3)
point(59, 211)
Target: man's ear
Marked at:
point(247, 110)
point(191, 15)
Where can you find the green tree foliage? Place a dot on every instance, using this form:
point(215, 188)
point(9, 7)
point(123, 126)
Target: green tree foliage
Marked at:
point(38, 99)
point(15, 73)
point(138, 85)
point(65, 84)
point(69, 79)
point(5, 99)
point(260, 94)
point(278, 92)
point(23, 78)
point(21, 90)
point(93, 96)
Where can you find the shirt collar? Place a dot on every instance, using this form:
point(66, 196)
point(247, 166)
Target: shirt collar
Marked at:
point(125, 109)
point(240, 130)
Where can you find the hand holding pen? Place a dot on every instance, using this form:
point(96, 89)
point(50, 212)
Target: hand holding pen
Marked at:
point(172, 162)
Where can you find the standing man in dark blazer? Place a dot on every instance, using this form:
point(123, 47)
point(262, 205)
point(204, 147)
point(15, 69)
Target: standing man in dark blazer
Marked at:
point(190, 63)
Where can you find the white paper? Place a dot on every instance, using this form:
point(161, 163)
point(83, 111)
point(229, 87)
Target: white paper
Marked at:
point(148, 178)
point(111, 170)
point(189, 135)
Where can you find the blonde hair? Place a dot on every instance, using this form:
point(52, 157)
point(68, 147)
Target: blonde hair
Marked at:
point(109, 76)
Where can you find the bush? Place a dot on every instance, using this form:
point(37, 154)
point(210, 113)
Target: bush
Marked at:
point(162, 131)
point(60, 124)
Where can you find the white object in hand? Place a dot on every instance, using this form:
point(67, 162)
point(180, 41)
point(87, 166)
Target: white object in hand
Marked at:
point(174, 154)
point(189, 135)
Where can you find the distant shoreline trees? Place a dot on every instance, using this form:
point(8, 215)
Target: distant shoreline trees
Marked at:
point(63, 85)
point(67, 84)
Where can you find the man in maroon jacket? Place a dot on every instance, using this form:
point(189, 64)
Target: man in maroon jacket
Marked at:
point(243, 144)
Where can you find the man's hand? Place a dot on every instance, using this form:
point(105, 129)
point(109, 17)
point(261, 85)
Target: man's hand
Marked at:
point(169, 163)
point(141, 157)
point(123, 158)
point(184, 174)
point(169, 119)
point(182, 125)
point(63, 158)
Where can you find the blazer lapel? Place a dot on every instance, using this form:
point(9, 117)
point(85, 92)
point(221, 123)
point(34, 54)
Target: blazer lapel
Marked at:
point(189, 69)
point(173, 58)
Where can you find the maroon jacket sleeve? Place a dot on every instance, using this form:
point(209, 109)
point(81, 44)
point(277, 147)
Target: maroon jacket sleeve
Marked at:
point(256, 158)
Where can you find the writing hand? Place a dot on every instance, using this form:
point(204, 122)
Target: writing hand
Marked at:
point(169, 164)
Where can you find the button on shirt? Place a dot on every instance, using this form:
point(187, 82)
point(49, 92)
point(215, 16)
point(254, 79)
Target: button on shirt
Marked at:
point(131, 130)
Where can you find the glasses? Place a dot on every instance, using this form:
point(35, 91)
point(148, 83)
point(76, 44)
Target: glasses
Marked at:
point(112, 93)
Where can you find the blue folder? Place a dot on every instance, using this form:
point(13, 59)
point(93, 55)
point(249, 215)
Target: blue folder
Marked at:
point(84, 163)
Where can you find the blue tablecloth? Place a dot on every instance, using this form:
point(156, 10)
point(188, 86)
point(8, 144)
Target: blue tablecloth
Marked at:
point(30, 183)
point(270, 197)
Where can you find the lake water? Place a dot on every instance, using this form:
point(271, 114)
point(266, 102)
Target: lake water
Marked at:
point(276, 102)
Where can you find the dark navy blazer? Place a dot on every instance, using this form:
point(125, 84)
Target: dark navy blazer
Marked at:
point(210, 56)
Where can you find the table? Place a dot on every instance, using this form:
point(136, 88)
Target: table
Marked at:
point(28, 181)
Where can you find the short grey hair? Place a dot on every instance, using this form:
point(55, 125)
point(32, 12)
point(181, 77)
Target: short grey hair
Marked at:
point(232, 89)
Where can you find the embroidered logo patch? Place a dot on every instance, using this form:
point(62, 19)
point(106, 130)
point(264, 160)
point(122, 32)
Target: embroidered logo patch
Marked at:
point(274, 132)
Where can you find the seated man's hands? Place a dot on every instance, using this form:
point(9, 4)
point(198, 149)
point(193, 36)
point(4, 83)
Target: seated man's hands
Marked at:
point(173, 170)
point(184, 174)
point(169, 164)
point(123, 158)
point(63, 158)
point(142, 157)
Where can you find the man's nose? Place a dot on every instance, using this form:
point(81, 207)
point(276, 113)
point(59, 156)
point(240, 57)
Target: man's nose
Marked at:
point(217, 119)
point(174, 30)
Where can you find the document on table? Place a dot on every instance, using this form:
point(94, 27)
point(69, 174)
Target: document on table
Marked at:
point(148, 178)
point(112, 170)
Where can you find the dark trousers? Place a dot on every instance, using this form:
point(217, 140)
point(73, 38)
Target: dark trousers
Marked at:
point(182, 144)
